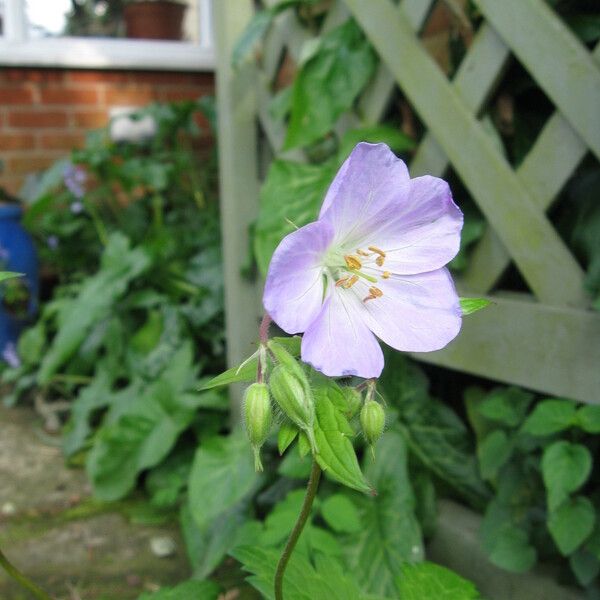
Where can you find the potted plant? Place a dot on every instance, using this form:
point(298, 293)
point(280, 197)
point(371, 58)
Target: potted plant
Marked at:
point(154, 19)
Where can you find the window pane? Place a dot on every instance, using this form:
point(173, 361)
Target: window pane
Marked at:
point(2, 17)
point(144, 19)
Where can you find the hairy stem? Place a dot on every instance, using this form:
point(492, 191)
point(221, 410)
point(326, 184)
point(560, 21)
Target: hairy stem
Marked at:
point(311, 491)
point(21, 579)
point(263, 336)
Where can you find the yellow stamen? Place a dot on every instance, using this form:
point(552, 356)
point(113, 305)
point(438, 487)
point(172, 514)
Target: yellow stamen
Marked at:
point(379, 261)
point(362, 252)
point(341, 281)
point(386, 274)
point(377, 251)
point(352, 262)
point(350, 282)
point(374, 293)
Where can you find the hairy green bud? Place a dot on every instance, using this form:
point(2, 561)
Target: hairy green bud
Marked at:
point(353, 399)
point(258, 416)
point(292, 393)
point(372, 421)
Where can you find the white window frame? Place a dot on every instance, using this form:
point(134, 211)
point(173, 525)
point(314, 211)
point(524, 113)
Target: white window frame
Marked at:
point(16, 50)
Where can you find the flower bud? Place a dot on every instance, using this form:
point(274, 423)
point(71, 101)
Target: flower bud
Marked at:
point(293, 395)
point(259, 415)
point(353, 400)
point(372, 421)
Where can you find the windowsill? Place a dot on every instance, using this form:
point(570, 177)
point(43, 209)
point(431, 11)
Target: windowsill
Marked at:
point(93, 53)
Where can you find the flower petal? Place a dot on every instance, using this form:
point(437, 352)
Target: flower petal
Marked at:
point(294, 287)
point(416, 313)
point(339, 343)
point(370, 178)
point(421, 231)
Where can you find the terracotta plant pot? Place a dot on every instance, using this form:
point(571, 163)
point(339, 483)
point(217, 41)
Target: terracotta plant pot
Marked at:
point(159, 20)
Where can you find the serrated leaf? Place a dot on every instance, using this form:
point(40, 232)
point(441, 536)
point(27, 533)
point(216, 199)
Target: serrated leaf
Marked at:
point(286, 435)
point(341, 514)
point(222, 475)
point(549, 417)
point(472, 305)
point(328, 82)
point(428, 581)
point(375, 553)
point(247, 372)
point(565, 468)
point(571, 523)
point(335, 453)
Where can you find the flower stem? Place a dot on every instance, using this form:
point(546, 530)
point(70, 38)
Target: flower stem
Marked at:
point(263, 336)
point(21, 579)
point(311, 491)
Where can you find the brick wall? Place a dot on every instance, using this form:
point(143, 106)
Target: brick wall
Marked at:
point(46, 112)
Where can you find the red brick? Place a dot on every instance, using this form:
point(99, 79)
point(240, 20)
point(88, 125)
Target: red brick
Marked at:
point(99, 76)
point(130, 95)
point(89, 119)
point(176, 94)
point(35, 119)
point(66, 95)
point(16, 95)
point(12, 184)
point(16, 141)
point(35, 75)
point(62, 141)
point(18, 165)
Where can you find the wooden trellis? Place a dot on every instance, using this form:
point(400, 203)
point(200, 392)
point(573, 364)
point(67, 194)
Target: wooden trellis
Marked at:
point(548, 340)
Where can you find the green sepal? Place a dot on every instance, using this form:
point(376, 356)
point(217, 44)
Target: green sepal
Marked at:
point(287, 434)
point(471, 305)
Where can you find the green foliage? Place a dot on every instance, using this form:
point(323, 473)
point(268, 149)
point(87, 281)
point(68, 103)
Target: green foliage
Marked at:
point(471, 305)
point(428, 581)
point(537, 459)
point(188, 590)
point(344, 59)
point(4, 275)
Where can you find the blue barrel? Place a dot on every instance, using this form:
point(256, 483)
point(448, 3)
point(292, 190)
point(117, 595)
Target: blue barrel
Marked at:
point(18, 297)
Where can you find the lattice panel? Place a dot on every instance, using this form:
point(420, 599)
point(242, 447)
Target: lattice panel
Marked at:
point(552, 343)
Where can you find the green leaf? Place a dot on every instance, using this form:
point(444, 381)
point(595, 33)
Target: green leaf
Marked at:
point(286, 435)
point(302, 581)
point(471, 305)
point(549, 417)
point(255, 30)
point(585, 565)
point(247, 371)
point(136, 437)
point(341, 514)
point(222, 475)
point(585, 26)
point(433, 432)
point(335, 453)
point(390, 534)
point(506, 405)
point(207, 546)
point(188, 590)
point(31, 344)
point(505, 541)
point(328, 83)
point(397, 140)
point(290, 197)
point(120, 265)
point(565, 468)
point(572, 523)
point(165, 482)
point(493, 452)
point(428, 581)
point(588, 418)
point(4, 275)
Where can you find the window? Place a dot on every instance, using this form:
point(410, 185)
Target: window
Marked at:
point(106, 34)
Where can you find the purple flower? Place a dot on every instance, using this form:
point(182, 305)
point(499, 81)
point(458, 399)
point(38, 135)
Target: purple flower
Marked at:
point(76, 207)
point(75, 178)
point(371, 265)
point(10, 355)
point(52, 242)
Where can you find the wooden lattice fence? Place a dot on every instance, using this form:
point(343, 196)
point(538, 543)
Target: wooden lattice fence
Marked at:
point(548, 340)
